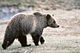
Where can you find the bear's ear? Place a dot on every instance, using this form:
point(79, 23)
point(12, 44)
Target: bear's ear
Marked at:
point(48, 16)
point(37, 14)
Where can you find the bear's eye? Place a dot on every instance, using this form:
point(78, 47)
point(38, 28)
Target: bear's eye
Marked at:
point(54, 22)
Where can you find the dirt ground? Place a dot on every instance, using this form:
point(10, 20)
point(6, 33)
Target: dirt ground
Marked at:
point(65, 39)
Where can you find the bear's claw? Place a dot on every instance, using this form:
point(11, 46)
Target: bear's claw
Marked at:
point(26, 45)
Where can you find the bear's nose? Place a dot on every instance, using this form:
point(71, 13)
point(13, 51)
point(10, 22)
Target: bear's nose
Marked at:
point(58, 26)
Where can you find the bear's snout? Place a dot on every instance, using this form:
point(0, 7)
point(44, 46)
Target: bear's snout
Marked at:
point(57, 25)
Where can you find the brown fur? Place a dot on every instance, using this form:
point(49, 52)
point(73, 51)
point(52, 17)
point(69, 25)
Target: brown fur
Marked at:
point(22, 24)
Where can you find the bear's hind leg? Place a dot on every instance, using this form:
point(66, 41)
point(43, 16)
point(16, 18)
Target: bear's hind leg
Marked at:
point(23, 40)
point(7, 42)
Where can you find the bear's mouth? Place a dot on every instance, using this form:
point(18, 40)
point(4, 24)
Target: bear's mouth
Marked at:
point(55, 26)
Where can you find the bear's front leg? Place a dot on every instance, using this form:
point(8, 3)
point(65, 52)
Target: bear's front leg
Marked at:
point(35, 38)
point(42, 40)
point(23, 40)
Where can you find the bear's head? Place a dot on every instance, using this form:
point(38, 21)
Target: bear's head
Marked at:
point(51, 22)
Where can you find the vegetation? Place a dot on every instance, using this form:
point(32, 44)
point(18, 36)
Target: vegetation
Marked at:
point(63, 4)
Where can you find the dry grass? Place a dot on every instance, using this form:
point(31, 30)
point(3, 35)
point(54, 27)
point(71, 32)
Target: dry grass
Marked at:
point(65, 39)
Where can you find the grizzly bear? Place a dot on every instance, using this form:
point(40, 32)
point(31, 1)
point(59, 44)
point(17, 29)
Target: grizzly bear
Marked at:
point(23, 24)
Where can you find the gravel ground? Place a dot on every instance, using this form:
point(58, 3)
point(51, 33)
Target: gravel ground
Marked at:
point(65, 39)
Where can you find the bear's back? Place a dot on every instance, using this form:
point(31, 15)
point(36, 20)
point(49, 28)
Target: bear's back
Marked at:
point(28, 22)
